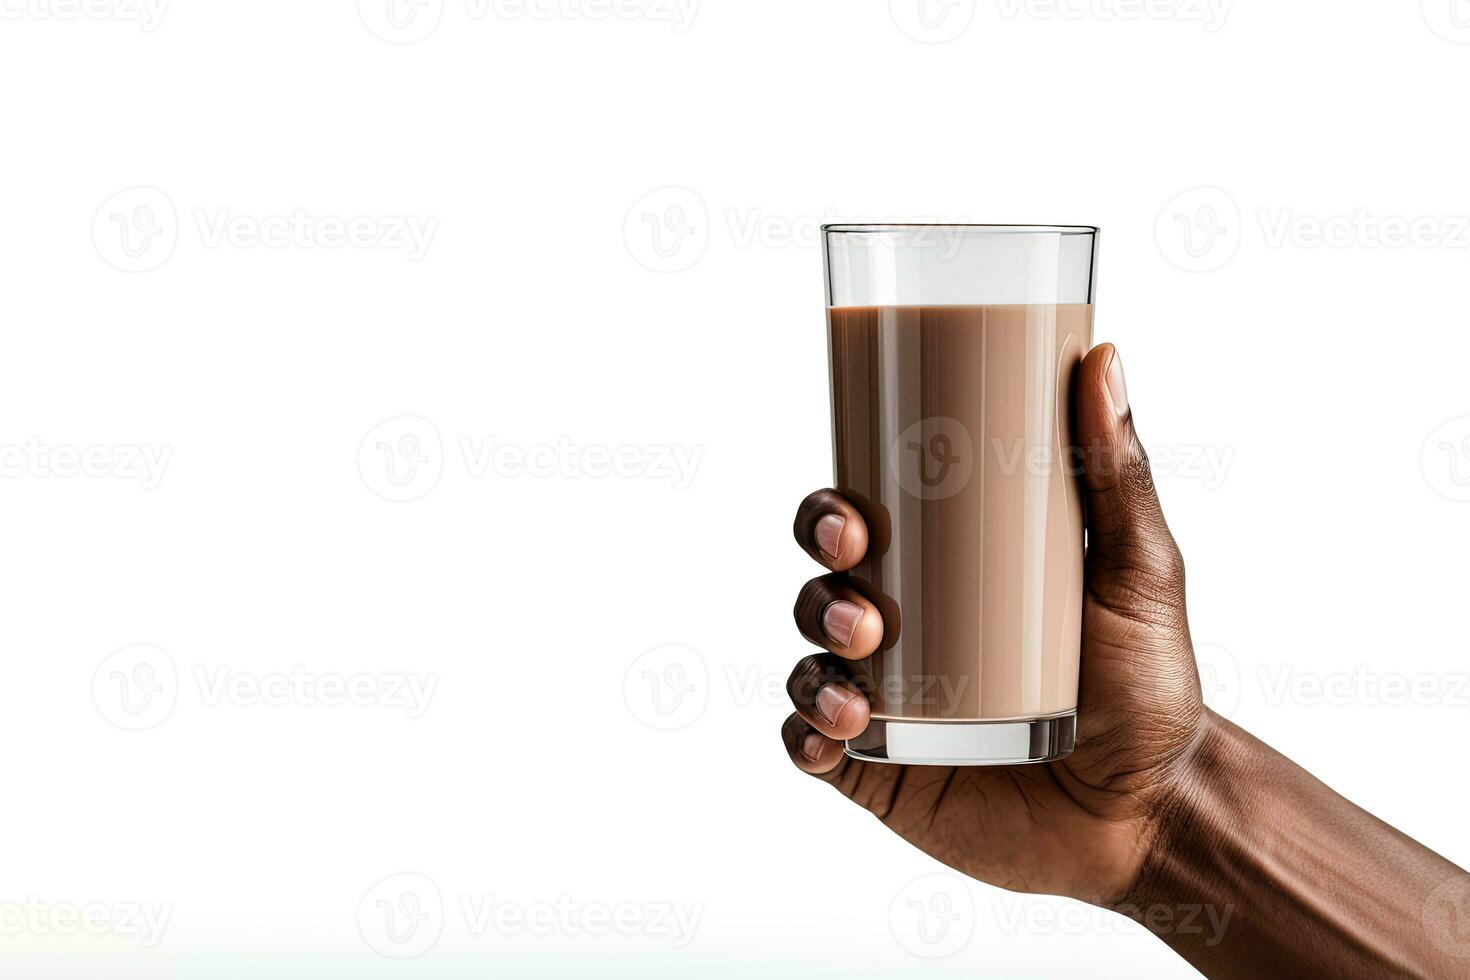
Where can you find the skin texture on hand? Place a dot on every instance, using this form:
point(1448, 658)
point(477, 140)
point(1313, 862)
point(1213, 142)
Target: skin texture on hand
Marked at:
point(1162, 807)
point(1079, 827)
point(1305, 883)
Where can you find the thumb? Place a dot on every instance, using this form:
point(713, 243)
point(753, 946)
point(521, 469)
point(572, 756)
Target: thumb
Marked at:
point(1131, 555)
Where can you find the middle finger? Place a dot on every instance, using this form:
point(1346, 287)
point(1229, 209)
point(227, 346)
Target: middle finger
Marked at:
point(837, 617)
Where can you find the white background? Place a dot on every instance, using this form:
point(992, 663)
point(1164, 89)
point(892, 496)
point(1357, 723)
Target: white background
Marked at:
point(1328, 543)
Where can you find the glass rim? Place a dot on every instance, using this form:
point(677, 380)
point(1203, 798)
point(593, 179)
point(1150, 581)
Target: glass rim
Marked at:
point(993, 229)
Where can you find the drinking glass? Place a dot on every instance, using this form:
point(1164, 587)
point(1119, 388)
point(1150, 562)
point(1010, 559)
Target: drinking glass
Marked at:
point(952, 353)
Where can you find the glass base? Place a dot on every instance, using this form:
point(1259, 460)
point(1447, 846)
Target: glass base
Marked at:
point(966, 743)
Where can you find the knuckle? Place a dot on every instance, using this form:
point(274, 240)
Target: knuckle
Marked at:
point(811, 509)
point(1137, 474)
point(806, 677)
point(819, 502)
point(1171, 561)
point(810, 601)
point(793, 729)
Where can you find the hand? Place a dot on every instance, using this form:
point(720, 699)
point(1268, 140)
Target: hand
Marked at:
point(1081, 827)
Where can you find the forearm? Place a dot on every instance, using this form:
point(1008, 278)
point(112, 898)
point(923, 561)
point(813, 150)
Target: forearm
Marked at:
point(1258, 869)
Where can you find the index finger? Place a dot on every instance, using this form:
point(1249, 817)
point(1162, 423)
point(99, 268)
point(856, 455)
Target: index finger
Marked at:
point(831, 530)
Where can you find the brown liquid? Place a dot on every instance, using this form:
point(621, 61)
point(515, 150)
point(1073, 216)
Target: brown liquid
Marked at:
point(952, 430)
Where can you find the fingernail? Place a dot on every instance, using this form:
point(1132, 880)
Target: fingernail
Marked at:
point(831, 699)
point(811, 746)
point(829, 534)
point(840, 621)
point(1117, 387)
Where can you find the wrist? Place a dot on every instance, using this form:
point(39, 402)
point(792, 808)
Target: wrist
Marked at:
point(1203, 799)
point(1252, 867)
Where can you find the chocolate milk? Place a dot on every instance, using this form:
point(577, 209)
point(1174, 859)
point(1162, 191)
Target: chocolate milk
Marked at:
point(952, 437)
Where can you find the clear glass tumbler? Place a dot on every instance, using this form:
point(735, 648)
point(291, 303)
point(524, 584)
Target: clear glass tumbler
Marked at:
point(953, 349)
